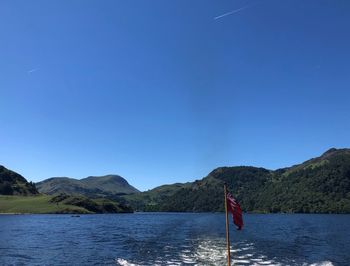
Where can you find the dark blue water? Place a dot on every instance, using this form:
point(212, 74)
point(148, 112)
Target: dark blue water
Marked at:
point(173, 239)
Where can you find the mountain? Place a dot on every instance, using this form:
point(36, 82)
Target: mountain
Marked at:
point(319, 185)
point(12, 183)
point(17, 195)
point(92, 186)
point(112, 184)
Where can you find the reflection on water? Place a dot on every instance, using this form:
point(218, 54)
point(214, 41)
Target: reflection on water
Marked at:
point(173, 239)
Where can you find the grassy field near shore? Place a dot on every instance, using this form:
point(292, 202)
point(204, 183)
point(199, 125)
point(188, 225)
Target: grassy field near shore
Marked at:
point(35, 204)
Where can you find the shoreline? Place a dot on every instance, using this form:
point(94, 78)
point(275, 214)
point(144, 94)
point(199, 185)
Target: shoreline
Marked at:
point(249, 213)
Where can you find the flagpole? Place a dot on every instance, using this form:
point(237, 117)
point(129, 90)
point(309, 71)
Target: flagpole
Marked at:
point(227, 229)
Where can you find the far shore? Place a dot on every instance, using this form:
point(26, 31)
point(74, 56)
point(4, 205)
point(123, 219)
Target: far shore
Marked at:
point(13, 213)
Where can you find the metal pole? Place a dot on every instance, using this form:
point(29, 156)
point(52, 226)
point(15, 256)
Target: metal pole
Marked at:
point(227, 229)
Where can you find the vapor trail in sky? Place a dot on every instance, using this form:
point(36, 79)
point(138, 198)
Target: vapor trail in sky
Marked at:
point(32, 70)
point(232, 12)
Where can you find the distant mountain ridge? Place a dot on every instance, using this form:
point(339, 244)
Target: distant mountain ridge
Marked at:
point(92, 186)
point(12, 183)
point(17, 195)
point(319, 185)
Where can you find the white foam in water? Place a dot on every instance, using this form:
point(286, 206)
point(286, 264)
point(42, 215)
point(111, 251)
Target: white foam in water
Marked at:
point(124, 262)
point(322, 263)
point(271, 264)
point(213, 252)
point(268, 262)
point(256, 260)
point(247, 248)
point(241, 261)
point(171, 263)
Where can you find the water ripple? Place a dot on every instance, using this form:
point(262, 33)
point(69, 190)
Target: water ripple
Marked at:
point(173, 239)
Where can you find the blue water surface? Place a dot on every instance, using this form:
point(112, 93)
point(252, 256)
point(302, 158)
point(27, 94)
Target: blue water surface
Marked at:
point(173, 239)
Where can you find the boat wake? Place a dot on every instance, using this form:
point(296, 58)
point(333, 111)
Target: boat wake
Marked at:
point(213, 252)
point(253, 262)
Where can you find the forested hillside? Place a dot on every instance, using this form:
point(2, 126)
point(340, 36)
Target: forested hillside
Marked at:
point(12, 183)
point(319, 185)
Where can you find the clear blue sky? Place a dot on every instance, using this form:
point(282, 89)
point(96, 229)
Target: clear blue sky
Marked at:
point(161, 92)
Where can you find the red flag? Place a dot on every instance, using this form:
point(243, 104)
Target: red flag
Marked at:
point(234, 207)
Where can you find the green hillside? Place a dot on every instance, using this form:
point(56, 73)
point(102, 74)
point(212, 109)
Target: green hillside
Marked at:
point(12, 183)
point(319, 185)
point(35, 204)
point(92, 186)
point(58, 204)
point(150, 200)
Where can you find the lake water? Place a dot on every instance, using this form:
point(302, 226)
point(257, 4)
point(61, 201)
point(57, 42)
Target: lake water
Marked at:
point(173, 239)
